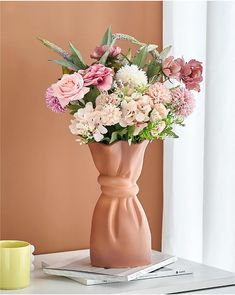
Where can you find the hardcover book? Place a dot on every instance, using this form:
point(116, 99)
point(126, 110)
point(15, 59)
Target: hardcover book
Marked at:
point(82, 268)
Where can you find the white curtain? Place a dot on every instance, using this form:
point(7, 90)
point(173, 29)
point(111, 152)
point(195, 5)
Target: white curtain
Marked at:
point(199, 167)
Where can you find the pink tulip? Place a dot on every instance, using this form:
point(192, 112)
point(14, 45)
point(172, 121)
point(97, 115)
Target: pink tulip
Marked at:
point(100, 50)
point(171, 68)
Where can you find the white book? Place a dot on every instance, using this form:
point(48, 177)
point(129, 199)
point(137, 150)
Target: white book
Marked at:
point(79, 267)
point(97, 279)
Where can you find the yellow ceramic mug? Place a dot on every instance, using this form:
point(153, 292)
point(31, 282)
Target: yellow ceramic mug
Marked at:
point(14, 264)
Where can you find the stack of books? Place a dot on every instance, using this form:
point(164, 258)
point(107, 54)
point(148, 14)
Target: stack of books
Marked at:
point(83, 272)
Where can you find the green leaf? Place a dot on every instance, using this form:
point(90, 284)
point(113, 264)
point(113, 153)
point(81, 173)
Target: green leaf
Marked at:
point(77, 52)
point(91, 95)
point(129, 54)
point(116, 135)
point(65, 70)
point(153, 68)
point(172, 134)
point(105, 140)
point(77, 57)
point(66, 64)
point(165, 52)
point(107, 38)
point(104, 57)
point(73, 108)
point(140, 57)
point(123, 132)
point(131, 130)
point(115, 65)
point(55, 48)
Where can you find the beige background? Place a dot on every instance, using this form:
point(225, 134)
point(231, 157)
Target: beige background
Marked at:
point(49, 184)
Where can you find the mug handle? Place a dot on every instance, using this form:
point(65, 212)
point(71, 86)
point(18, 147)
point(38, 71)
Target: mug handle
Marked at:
point(32, 249)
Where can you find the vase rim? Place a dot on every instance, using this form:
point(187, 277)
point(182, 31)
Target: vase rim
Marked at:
point(109, 145)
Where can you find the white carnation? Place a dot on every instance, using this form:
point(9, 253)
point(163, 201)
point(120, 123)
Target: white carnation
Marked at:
point(110, 114)
point(134, 112)
point(131, 76)
point(159, 112)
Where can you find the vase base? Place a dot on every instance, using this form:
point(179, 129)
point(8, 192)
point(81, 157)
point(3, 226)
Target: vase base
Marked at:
point(114, 262)
point(121, 266)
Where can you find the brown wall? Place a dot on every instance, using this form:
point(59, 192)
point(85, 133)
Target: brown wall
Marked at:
point(48, 181)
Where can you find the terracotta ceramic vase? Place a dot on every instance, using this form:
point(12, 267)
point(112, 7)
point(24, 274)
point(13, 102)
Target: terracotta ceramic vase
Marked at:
point(120, 234)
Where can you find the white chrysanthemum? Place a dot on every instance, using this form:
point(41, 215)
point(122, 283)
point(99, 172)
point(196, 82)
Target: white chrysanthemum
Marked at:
point(132, 76)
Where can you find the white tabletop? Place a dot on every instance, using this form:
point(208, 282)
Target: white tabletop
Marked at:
point(203, 277)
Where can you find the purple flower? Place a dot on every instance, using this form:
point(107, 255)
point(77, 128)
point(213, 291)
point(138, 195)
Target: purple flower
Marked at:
point(53, 102)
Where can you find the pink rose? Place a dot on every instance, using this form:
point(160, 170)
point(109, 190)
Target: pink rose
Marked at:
point(100, 50)
point(191, 73)
point(69, 88)
point(171, 68)
point(99, 76)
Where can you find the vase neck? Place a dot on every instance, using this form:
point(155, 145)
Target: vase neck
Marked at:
point(116, 186)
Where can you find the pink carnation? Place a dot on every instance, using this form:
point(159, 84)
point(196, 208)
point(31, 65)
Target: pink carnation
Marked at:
point(53, 102)
point(159, 93)
point(99, 76)
point(183, 102)
point(171, 68)
point(69, 88)
point(191, 73)
point(100, 50)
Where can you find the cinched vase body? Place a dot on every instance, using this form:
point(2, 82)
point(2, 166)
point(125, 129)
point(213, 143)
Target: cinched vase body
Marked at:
point(120, 234)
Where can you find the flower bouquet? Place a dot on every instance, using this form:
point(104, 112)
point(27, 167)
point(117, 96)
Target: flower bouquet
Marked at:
point(119, 103)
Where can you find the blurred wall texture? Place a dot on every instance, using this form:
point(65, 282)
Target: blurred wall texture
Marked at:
point(48, 180)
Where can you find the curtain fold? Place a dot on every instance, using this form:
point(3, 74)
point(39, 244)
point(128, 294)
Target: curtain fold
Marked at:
point(199, 167)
